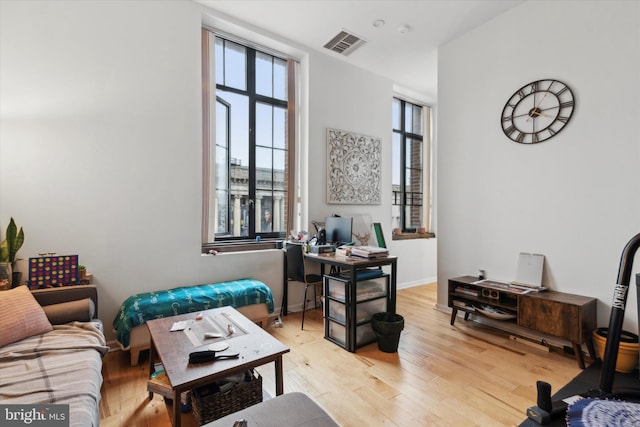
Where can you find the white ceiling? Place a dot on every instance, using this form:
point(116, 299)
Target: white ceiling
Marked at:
point(409, 59)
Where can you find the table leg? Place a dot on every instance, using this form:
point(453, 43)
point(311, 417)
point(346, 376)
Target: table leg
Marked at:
point(351, 296)
point(284, 309)
point(177, 417)
point(454, 313)
point(577, 349)
point(152, 356)
point(279, 376)
point(394, 271)
point(592, 350)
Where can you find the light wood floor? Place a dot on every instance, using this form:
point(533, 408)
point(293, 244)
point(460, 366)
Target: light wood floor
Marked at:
point(442, 375)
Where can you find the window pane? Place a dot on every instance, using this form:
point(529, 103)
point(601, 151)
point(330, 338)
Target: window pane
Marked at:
point(239, 126)
point(264, 125)
point(265, 214)
point(279, 127)
point(235, 65)
point(417, 120)
point(279, 162)
point(264, 74)
point(222, 128)
point(408, 118)
point(395, 217)
point(279, 212)
point(397, 108)
point(413, 217)
point(413, 180)
point(222, 165)
point(219, 61)
point(264, 165)
point(222, 223)
point(280, 79)
point(413, 153)
point(396, 156)
point(239, 215)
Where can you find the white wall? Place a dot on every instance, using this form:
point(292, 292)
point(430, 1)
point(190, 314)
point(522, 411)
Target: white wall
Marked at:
point(100, 144)
point(574, 198)
point(350, 99)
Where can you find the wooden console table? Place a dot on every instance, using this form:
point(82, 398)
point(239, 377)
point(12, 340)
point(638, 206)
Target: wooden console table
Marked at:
point(566, 316)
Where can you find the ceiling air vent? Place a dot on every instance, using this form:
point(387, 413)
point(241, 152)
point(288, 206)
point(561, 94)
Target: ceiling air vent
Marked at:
point(345, 43)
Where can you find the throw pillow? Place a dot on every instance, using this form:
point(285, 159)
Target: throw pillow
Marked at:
point(81, 310)
point(20, 316)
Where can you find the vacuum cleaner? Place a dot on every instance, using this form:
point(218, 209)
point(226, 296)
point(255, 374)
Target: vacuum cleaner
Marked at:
point(546, 409)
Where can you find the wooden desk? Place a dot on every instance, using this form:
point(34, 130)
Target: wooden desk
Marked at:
point(352, 265)
point(255, 346)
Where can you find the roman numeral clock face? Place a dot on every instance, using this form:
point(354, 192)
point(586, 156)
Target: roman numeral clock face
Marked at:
point(537, 111)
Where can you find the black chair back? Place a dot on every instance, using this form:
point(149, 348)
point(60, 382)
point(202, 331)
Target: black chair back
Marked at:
point(295, 266)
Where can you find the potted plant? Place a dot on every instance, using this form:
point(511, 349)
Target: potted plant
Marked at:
point(11, 244)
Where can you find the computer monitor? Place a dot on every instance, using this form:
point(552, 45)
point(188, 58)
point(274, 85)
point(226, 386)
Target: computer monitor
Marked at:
point(338, 229)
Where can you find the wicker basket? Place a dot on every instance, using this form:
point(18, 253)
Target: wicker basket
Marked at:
point(208, 406)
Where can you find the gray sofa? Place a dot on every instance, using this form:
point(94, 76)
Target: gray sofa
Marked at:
point(60, 362)
point(288, 410)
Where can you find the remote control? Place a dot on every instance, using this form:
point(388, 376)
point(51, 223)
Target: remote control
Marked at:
point(209, 356)
point(202, 356)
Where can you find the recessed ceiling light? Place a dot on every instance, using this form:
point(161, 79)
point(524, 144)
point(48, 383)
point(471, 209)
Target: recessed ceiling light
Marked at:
point(378, 23)
point(404, 29)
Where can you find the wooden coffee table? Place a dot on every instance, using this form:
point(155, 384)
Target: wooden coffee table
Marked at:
point(255, 346)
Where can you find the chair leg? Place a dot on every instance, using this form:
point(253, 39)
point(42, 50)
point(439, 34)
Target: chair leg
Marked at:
point(304, 305)
point(315, 295)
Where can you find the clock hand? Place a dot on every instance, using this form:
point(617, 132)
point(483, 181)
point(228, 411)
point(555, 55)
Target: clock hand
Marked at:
point(536, 107)
point(520, 115)
point(539, 103)
point(540, 113)
point(550, 108)
point(536, 112)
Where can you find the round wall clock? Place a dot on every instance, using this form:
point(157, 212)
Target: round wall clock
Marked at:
point(537, 111)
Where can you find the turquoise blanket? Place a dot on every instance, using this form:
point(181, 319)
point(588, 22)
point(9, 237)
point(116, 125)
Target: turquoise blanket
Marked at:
point(139, 308)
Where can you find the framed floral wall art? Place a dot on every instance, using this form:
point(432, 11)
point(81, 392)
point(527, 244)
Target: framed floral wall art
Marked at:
point(353, 168)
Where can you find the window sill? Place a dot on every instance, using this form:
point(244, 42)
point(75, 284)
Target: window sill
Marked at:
point(412, 236)
point(244, 246)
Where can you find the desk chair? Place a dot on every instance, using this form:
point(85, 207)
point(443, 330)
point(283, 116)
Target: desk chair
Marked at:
point(296, 270)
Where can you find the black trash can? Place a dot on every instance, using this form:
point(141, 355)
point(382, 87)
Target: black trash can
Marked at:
point(387, 327)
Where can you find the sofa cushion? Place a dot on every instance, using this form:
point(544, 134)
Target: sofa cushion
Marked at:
point(21, 316)
point(81, 310)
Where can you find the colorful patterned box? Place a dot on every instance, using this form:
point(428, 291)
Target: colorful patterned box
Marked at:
point(52, 271)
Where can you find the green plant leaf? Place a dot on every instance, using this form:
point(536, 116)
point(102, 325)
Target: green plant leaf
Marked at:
point(19, 241)
point(12, 243)
point(4, 251)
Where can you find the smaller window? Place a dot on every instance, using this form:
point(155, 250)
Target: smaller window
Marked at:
point(409, 176)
